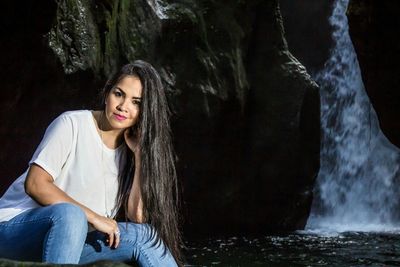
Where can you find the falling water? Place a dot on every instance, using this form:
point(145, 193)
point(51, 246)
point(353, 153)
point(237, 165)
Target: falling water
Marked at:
point(159, 8)
point(357, 186)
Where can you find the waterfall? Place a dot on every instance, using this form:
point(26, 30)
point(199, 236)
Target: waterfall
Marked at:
point(158, 8)
point(357, 186)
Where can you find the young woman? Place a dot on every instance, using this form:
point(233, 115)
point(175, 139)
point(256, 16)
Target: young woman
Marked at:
point(92, 166)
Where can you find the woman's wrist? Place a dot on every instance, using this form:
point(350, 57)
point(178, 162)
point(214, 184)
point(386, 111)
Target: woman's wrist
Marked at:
point(91, 216)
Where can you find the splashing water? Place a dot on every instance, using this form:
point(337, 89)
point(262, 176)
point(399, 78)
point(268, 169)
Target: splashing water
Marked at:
point(159, 8)
point(357, 186)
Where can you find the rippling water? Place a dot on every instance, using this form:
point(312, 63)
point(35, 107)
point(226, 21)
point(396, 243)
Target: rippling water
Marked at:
point(304, 248)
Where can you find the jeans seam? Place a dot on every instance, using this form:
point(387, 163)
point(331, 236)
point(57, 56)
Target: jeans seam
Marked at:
point(45, 248)
point(142, 251)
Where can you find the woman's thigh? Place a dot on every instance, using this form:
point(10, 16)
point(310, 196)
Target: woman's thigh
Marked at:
point(136, 245)
point(42, 234)
point(22, 237)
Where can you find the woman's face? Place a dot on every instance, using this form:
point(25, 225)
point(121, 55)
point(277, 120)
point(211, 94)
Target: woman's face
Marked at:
point(123, 103)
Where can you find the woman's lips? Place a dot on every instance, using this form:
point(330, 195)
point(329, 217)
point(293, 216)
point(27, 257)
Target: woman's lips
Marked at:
point(119, 117)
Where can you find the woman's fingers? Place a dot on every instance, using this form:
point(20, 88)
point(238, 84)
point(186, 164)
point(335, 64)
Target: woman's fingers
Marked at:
point(117, 239)
point(110, 239)
point(114, 235)
point(110, 228)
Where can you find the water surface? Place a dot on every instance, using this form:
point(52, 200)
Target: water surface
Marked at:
point(303, 248)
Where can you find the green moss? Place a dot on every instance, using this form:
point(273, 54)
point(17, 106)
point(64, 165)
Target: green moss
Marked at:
point(111, 51)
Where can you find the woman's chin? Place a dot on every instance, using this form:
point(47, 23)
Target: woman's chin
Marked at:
point(118, 125)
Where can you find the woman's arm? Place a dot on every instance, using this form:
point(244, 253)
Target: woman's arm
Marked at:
point(39, 186)
point(135, 203)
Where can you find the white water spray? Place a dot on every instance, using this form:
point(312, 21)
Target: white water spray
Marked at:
point(357, 186)
point(159, 9)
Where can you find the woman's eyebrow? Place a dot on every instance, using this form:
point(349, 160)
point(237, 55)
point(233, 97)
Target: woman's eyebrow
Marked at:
point(133, 97)
point(122, 91)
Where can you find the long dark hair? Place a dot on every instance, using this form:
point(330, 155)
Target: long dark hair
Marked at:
point(158, 179)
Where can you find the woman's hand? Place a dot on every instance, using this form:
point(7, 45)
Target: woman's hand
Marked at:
point(39, 185)
point(109, 227)
point(131, 140)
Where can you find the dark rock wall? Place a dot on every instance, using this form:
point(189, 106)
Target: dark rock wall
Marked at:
point(246, 113)
point(374, 27)
point(279, 130)
point(307, 31)
point(35, 88)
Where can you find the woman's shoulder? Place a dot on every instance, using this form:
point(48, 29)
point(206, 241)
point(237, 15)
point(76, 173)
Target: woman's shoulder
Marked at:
point(72, 117)
point(75, 115)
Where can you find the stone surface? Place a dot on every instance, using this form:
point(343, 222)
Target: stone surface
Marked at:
point(246, 113)
point(373, 30)
point(35, 88)
point(281, 129)
point(307, 31)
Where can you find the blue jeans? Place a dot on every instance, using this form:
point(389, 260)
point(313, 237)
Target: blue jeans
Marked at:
point(59, 234)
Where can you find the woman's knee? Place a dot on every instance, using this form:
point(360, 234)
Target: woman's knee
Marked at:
point(139, 233)
point(69, 215)
point(151, 250)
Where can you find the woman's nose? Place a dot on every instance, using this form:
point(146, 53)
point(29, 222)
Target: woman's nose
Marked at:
point(122, 105)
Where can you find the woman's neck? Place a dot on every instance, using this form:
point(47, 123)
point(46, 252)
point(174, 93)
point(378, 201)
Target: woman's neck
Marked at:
point(112, 138)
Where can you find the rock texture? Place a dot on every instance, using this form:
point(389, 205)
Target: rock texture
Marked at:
point(373, 30)
point(279, 129)
point(35, 88)
point(246, 113)
point(307, 31)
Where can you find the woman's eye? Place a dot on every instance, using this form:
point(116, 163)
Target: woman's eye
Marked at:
point(118, 94)
point(136, 102)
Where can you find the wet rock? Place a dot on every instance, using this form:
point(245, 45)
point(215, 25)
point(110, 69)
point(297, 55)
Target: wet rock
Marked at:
point(307, 31)
point(282, 129)
point(373, 26)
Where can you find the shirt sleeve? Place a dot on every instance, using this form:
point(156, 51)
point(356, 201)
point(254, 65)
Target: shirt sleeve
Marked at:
point(55, 147)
